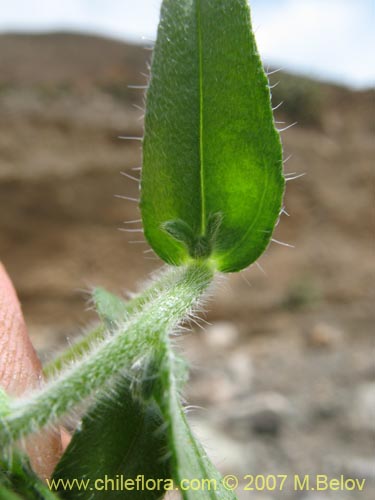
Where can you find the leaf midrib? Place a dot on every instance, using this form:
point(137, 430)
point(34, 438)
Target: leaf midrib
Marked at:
point(201, 152)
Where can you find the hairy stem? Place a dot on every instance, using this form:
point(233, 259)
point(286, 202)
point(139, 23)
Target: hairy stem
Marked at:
point(125, 310)
point(76, 351)
point(134, 339)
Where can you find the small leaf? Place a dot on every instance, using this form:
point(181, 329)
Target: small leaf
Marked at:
point(210, 144)
point(180, 231)
point(119, 436)
point(110, 307)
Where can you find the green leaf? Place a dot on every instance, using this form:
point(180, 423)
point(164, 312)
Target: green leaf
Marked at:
point(120, 438)
point(18, 481)
point(6, 494)
point(189, 461)
point(109, 307)
point(210, 145)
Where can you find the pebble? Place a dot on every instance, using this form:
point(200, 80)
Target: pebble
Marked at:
point(360, 467)
point(316, 496)
point(323, 335)
point(244, 495)
point(213, 388)
point(227, 454)
point(241, 369)
point(362, 413)
point(230, 375)
point(263, 413)
point(221, 335)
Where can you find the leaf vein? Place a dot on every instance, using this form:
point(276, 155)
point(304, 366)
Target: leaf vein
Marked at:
point(201, 151)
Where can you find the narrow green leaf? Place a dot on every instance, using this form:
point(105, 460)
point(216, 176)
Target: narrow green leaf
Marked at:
point(210, 144)
point(189, 461)
point(120, 438)
point(18, 481)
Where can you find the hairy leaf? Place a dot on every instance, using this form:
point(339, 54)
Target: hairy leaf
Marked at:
point(110, 307)
point(189, 461)
point(210, 145)
point(120, 438)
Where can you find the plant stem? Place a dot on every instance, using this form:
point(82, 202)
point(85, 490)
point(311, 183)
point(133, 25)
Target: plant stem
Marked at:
point(135, 339)
point(76, 351)
point(125, 310)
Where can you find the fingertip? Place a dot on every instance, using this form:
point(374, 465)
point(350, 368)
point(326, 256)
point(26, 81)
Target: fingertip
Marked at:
point(21, 371)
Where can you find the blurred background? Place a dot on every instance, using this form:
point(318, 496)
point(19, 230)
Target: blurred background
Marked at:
point(285, 369)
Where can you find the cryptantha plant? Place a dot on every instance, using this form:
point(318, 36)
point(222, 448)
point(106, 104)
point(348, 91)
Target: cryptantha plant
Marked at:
point(211, 193)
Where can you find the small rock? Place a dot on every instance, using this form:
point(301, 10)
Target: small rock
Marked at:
point(266, 421)
point(225, 453)
point(221, 335)
point(323, 335)
point(327, 411)
point(263, 413)
point(362, 414)
point(244, 495)
point(229, 376)
point(213, 388)
point(241, 369)
point(316, 496)
point(360, 467)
